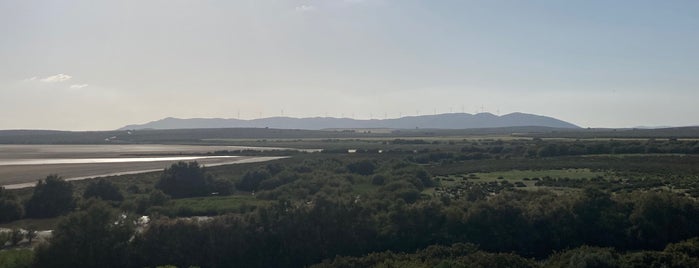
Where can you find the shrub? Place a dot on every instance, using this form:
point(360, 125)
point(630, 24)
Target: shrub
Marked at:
point(103, 189)
point(52, 197)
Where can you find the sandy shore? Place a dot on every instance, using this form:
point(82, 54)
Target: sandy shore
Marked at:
point(15, 177)
point(23, 165)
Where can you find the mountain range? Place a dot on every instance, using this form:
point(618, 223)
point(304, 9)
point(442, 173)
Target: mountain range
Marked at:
point(439, 121)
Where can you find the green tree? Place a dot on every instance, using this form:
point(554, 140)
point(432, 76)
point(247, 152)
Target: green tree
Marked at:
point(585, 257)
point(364, 167)
point(252, 179)
point(95, 237)
point(10, 207)
point(103, 189)
point(52, 197)
point(184, 180)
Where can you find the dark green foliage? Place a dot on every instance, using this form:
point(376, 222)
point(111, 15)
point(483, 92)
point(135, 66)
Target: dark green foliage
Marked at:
point(133, 189)
point(52, 197)
point(283, 235)
point(103, 189)
point(602, 221)
point(689, 247)
point(141, 204)
point(275, 168)
point(183, 180)
point(661, 218)
point(458, 255)
point(403, 190)
point(378, 180)
point(585, 257)
point(364, 167)
point(95, 237)
point(10, 207)
point(252, 179)
point(157, 198)
point(188, 180)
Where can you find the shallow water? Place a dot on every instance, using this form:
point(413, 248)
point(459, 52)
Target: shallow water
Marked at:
point(56, 161)
point(22, 165)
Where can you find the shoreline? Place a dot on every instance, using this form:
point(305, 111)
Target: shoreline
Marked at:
point(237, 160)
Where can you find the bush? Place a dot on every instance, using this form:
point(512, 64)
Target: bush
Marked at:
point(252, 179)
point(52, 197)
point(103, 189)
point(189, 180)
point(585, 257)
point(364, 167)
point(10, 207)
point(95, 237)
point(378, 180)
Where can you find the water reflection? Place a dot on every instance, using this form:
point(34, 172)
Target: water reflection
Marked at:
point(56, 161)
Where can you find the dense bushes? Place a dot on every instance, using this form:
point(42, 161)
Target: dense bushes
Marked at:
point(188, 180)
point(364, 167)
point(296, 234)
point(10, 207)
point(458, 255)
point(52, 197)
point(252, 179)
point(103, 189)
point(95, 237)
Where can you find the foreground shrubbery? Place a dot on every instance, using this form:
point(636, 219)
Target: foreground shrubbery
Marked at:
point(296, 234)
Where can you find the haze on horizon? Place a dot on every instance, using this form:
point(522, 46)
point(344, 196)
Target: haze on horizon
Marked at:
point(99, 65)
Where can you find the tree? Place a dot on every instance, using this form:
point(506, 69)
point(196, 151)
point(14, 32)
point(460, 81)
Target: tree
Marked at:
point(184, 180)
point(103, 189)
point(95, 237)
point(52, 197)
point(10, 207)
point(252, 179)
point(364, 167)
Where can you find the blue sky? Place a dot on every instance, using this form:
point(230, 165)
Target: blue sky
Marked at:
point(93, 65)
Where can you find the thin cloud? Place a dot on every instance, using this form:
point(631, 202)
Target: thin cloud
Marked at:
point(78, 86)
point(55, 78)
point(305, 8)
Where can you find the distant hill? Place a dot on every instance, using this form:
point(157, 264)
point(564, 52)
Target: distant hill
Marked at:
point(206, 135)
point(441, 121)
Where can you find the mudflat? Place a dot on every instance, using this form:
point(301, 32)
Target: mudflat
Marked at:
point(23, 165)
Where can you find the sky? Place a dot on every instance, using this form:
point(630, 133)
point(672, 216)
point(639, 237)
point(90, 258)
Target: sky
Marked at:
point(100, 65)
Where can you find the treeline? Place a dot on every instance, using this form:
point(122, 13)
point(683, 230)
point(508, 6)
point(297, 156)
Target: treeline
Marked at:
point(297, 234)
point(423, 152)
point(682, 254)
